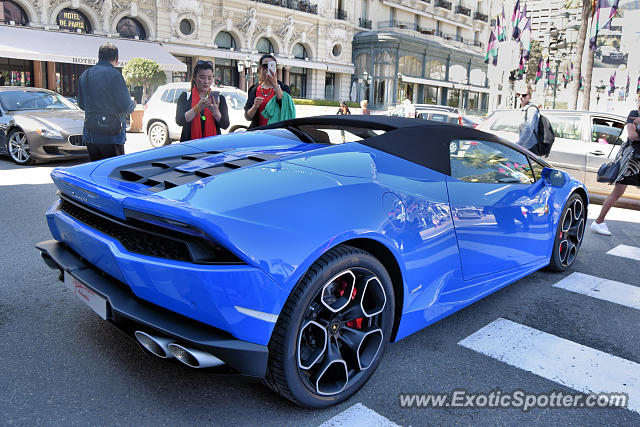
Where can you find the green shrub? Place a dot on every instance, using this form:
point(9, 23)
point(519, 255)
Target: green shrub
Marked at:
point(323, 102)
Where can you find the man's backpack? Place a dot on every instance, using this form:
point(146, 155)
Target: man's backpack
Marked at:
point(544, 135)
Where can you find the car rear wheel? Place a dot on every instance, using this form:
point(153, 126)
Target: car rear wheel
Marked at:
point(569, 234)
point(158, 134)
point(18, 147)
point(333, 329)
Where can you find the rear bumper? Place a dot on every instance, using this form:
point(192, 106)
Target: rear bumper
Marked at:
point(130, 314)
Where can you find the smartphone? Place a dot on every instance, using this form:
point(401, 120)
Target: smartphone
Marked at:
point(272, 68)
point(215, 95)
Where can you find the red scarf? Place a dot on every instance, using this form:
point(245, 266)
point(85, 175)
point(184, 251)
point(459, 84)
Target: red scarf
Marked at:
point(267, 94)
point(196, 125)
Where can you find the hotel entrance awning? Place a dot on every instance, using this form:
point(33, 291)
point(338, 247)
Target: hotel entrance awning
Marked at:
point(42, 45)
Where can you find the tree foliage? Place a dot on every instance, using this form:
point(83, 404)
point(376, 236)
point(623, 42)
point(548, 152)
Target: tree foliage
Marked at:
point(534, 59)
point(143, 72)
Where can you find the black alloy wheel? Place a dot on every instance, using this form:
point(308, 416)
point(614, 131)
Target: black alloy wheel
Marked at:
point(569, 234)
point(333, 330)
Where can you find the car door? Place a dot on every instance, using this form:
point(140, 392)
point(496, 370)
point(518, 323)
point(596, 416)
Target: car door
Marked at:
point(499, 210)
point(5, 122)
point(569, 149)
point(608, 134)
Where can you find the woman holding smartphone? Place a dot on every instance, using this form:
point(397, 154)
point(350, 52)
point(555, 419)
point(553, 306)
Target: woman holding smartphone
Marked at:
point(201, 112)
point(260, 94)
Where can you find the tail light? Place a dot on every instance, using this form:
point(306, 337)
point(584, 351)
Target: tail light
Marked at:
point(460, 120)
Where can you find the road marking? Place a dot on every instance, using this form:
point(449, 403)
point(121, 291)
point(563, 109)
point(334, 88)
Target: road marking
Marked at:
point(604, 289)
point(359, 416)
point(565, 362)
point(626, 252)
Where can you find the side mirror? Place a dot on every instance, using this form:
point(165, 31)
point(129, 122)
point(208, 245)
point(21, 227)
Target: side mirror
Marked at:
point(554, 177)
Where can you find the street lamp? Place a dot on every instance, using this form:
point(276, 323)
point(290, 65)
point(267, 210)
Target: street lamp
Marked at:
point(249, 68)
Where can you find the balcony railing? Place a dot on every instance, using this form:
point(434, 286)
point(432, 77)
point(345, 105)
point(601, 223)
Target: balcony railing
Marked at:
point(481, 17)
point(411, 26)
point(364, 23)
point(341, 14)
point(301, 5)
point(463, 10)
point(443, 4)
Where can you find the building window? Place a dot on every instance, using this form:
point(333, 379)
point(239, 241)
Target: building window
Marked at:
point(410, 65)
point(226, 72)
point(183, 76)
point(453, 97)
point(12, 12)
point(405, 91)
point(67, 76)
point(130, 28)
point(362, 64)
point(299, 51)
point(329, 86)
point(71, 19)
point(186, 27)
point(337, 50)
point(435, 69)
point(432, 95)
point(225, 40)
point(264, 46)
point(16, 72)
point(298, 82)
point(384, 65)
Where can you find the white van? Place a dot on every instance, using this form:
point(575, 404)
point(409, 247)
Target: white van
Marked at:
point(159, 119)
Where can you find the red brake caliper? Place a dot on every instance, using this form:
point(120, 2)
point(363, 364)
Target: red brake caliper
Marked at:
point(356, 323)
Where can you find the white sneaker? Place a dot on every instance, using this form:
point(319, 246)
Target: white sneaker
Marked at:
point(600, 228)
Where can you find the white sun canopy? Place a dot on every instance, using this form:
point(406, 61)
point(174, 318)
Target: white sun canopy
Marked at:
point(55, 46)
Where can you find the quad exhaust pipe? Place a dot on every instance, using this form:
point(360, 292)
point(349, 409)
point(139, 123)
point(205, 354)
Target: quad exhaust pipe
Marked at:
point(166, 348)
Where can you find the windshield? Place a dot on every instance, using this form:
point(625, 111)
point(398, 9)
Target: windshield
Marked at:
point(235, 100)
point(17, 100)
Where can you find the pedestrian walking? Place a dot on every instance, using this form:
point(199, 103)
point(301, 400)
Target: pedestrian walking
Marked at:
point(105, 99)
point(364, 105)
point(261, 94)
point(528, 128)
point(628, 158)
point(202, 112)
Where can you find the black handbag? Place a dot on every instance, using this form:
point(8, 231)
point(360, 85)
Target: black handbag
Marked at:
point(608, 172)
point(103, 123)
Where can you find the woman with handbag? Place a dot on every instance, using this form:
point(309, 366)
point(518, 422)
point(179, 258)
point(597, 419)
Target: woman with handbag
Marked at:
point(201, 112)
point(628, 161)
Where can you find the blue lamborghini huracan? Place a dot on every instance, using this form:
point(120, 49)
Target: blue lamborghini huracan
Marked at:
point(295, 252)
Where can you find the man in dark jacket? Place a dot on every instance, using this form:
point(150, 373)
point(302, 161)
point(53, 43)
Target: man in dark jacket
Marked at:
point(104, 97)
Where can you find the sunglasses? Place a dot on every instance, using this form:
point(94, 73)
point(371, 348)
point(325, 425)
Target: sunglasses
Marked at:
point(264, 66)
point(205, 64)
point(522, 95)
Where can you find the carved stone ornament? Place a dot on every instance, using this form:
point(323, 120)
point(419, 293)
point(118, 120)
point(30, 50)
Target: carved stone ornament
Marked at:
point(250, 26)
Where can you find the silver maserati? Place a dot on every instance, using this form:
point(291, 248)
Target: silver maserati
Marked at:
point(38, 125)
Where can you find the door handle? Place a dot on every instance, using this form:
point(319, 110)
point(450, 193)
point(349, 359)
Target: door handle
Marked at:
point(596, 153)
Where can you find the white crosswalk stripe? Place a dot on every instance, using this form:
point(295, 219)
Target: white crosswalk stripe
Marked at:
point(604, 289)
point(359, 416)
point(565, 362)
point(626, 251)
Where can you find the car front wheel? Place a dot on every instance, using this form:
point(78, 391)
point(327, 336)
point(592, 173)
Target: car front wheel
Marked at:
point(18, 147)
point(333, 329)
point(158, 134)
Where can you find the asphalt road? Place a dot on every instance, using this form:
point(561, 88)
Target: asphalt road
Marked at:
point(60, 364)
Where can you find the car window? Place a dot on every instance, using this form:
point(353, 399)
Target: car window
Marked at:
point(488, 162)
point(165, 95)
point(605, 131)
point(507, 121)
point(17, 100)
point(565, 126)
point(439, 117)
point(235, 100)
point(339, 135)
point(537, 169)
point(177, 94)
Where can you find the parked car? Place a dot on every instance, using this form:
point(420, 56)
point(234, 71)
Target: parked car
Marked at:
point(159, 119)
point(610, 54)
point(584, 140)
point(38, 125)
point(293, 256)
point(438, 113)
point(399, 110)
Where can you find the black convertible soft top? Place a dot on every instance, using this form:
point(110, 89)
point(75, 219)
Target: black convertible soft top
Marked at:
point(424, 142)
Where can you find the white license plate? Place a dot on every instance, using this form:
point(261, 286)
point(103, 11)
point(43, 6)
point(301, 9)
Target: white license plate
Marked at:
point(86, 294)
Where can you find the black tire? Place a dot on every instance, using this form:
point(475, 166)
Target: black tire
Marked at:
point(569, 234)
point(18, 147)
point(158, 134)
point(314, 377)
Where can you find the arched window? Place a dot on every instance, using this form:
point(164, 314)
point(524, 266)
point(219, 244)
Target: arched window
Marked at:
point(225, 40)
point(131, 28)
point(12, 12)
point(299, 51)
point(264, 46)
point(384, 65)
point(435, 69)
point(410, 65)
point(72, 19)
